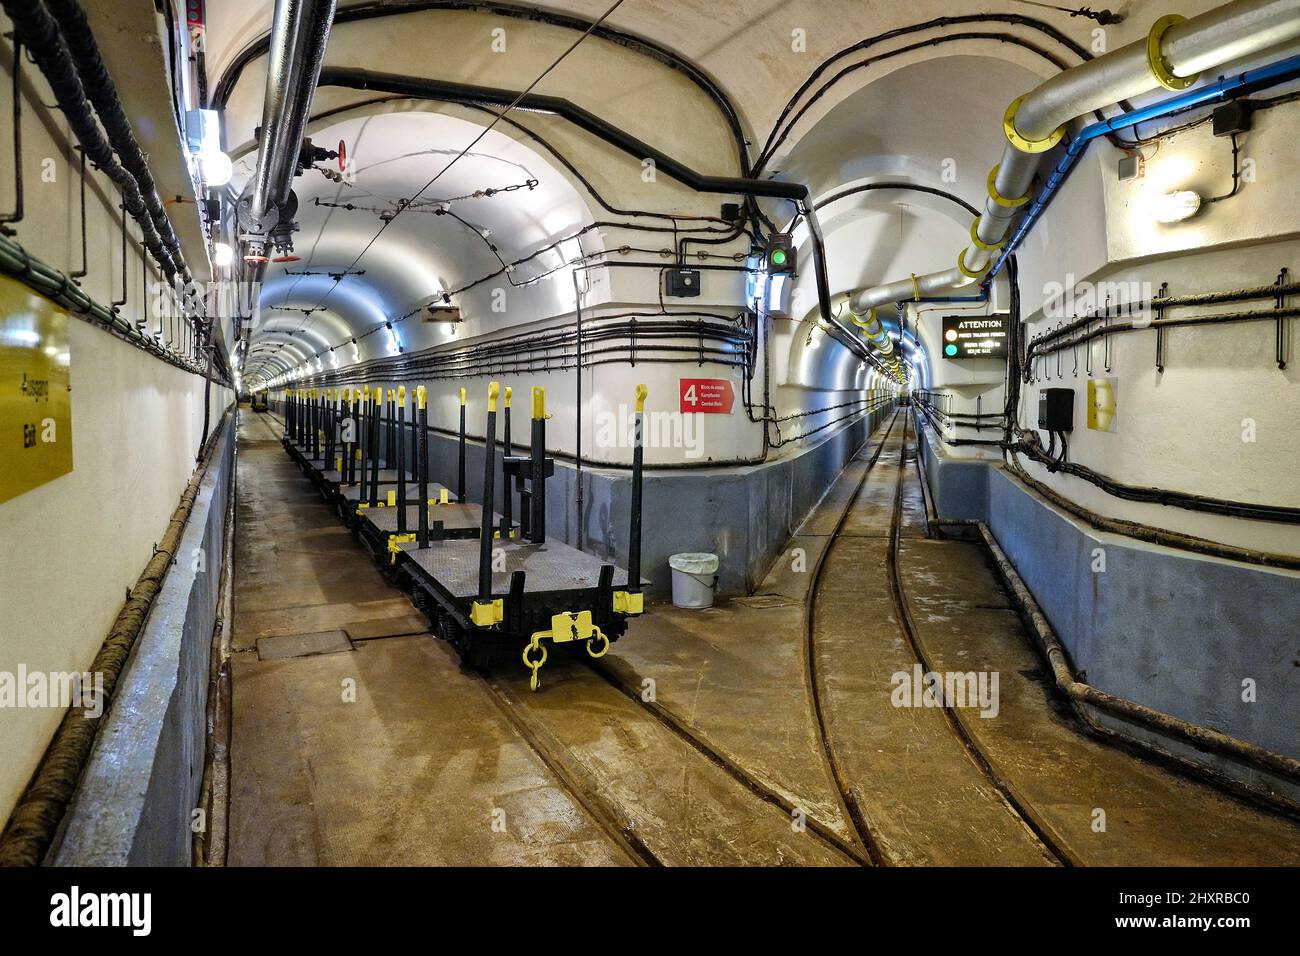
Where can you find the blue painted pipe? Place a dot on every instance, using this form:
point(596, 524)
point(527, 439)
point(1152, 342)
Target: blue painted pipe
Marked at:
point(1224, 89)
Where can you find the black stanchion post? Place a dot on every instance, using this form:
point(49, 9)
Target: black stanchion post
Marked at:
point(537, 469)
point(634, 533)
point(460, 469)
point(390, 449)
point(400, 418)
point(349, 445)
point(489, 476)
point(363, 438)
point(422, 462)
point(331, 422)
point(506, 509)
point(376, 426)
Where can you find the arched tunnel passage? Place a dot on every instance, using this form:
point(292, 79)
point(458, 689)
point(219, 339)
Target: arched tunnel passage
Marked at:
point(669, 434)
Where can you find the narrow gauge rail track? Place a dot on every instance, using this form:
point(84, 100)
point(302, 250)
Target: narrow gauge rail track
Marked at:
point(956, 720)
point(907, 627)
point(552, 753)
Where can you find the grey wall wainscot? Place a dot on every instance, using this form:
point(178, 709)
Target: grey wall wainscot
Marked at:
point(135, 801)
point(1171, 629)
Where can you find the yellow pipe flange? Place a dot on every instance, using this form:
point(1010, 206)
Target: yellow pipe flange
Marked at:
point(865, 322)
point(997, 197)
point(980, 243)
point(1156, 61)
point(961, 266)
point(1022, 143)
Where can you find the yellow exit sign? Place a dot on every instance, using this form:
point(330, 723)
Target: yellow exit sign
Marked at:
point(35, 397)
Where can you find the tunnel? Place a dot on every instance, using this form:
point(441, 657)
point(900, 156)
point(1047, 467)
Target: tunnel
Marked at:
point(638, 433)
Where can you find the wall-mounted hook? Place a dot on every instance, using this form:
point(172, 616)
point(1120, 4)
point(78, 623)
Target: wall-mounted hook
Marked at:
point(12, 218)
point(85, 262)
point(1280, 302)
point(1158, 314)
point(1105, 339)
point(118, 303)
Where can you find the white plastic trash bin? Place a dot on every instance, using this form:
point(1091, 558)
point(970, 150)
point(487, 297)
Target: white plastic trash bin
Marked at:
point(695, 577)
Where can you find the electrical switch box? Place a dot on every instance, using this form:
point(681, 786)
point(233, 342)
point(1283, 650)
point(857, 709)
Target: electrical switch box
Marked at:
point(1232, 118)
point(782, 256)
point(682, 283)
point(1056, 409)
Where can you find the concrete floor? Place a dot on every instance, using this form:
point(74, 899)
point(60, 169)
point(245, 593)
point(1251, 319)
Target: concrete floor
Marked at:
point(696, 740)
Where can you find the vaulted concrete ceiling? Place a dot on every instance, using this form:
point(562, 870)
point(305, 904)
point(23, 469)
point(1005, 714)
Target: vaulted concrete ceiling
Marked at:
point(917, 109)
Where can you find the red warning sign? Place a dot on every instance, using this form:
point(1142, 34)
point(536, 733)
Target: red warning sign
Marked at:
point(707, 395)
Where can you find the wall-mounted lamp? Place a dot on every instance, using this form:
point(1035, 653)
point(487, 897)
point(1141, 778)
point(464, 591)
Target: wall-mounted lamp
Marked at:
point(1176, 206)
point(222, 255)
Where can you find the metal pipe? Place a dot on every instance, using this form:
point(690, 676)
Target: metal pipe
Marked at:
point(299, 34)
point(1219, 91)
point(1171, 56)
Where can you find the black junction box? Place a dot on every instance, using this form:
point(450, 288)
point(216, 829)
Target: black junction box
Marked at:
point(682, 283)
point(1232, 118)
point(1056, 409)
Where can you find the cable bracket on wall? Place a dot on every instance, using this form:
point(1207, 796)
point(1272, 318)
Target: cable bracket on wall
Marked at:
point(10, 219)
point(1280, 303)
point(1105, 323)
point(116, 304)
point(1158, 313)
point(85, 262)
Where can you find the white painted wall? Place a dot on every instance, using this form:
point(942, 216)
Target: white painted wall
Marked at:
point(71, 548)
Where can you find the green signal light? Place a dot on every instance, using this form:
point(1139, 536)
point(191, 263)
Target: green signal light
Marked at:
point(950, 350)
point(778, 257)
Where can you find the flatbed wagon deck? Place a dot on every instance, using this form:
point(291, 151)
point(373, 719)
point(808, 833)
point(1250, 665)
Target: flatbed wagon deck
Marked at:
point(490, 585)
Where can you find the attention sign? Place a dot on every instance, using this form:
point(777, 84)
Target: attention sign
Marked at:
point(35, 405)
point(976, 336)
point(707, 395)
